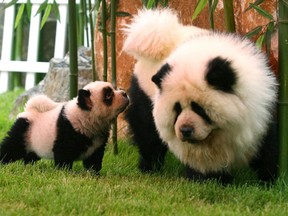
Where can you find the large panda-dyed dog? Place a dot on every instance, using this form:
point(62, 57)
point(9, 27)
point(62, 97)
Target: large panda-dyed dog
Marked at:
point(65, 132)
point(211, 96)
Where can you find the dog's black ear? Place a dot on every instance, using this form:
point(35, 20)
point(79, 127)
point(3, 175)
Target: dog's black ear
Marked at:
point(221, 75)
point(159, 76)
point(84, 101)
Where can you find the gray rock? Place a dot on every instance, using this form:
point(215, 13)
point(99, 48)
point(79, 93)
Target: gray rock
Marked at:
point(56, 82)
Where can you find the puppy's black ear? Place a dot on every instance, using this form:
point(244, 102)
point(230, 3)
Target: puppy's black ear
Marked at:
point(221, 75)
point(159, 76)
point(84, 101)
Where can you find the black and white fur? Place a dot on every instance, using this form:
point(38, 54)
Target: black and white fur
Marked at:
point(65, 132)
point(209, 97)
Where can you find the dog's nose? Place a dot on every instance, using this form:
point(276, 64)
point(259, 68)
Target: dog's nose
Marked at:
point(187, 132)
point(124, 93)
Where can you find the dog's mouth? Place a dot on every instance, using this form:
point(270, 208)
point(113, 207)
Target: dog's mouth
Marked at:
point(124, 105)
point(193, 141)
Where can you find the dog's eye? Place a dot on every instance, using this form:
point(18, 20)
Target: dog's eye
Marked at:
point(108, 95)
point(177, 108)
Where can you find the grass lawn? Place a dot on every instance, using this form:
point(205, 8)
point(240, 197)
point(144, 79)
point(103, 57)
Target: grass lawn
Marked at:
point(121, 189)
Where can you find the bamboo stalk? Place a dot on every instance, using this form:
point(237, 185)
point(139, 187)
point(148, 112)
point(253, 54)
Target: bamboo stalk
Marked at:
point(81, 12)
point(229, 15)
point(211, 14)
point(104, 34)
point(73, 49)
point(17, 76)
point(94, 76)
point(113, 67)
point(283, 100)
point(113, 42)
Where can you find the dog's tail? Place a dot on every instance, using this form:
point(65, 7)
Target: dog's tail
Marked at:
point(153, 34)
point(40, 103)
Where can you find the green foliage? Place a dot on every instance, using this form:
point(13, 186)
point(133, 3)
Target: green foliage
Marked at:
point(263, 33)
point(261, 11)
point(257, 2)
point(44, 7)
point(28, 8)
point(199, 7)
point(46, 15)
point(19, 15)
point(55, 8)
point(212, 4)
point(154, 3)
point(6, 104)
point(13, 2)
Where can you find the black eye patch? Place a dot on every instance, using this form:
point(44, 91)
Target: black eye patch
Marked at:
point(108, 96)
point(200, 111)
point(178, 109)
point(221, 75)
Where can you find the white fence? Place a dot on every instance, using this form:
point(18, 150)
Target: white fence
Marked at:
point(31, 66)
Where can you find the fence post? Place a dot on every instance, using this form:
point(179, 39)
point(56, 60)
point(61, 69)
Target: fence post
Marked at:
point(33, 44)
point(7, 44)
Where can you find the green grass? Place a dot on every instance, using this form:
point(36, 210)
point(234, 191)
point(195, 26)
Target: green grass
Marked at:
point(121, 189)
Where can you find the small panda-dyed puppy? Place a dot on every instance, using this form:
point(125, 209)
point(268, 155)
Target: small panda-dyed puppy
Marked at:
point(66, 132)
point(207, 96)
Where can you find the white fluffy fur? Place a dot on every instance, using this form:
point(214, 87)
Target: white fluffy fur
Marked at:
point(239, 120)
point(150, 41)
point(40, 103)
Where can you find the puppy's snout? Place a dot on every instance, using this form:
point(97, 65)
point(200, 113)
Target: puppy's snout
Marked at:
point(124, 94)
point(187, 132)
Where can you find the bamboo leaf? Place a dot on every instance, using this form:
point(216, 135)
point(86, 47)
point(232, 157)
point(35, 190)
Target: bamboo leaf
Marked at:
point(42, 7)
point(262, 12)
point(46, 15)
point(164, 3)
point(254, 32)
point(268, 36)
point(56, 10)
point(199, 7)
point(28, 8)
point(13, 2)
point(257, 2)
point(259, 41)
point(271, 27)
point(150, 4)
point(144, 2)
point(19, 15)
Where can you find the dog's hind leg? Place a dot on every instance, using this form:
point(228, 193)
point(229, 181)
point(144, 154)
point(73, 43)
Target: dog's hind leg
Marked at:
point(13, 146)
